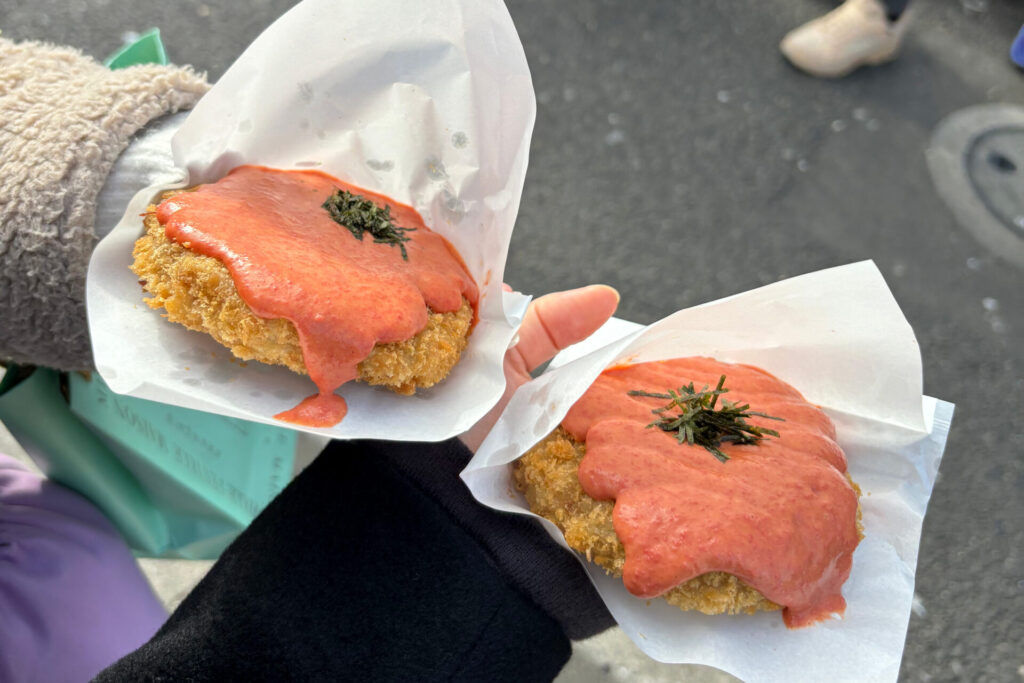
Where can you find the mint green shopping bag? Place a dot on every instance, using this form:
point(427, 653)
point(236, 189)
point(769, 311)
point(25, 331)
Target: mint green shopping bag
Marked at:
point(175, 482)
point(146, 49)
point(35, 412)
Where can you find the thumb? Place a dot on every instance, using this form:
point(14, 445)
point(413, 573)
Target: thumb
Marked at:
point(558, 320)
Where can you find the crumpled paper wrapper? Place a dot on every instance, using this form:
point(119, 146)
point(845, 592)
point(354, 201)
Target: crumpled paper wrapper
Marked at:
point(840, 338)
point(429, 102)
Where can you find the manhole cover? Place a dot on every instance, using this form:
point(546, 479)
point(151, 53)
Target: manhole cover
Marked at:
point(977, 163)
point(995, 164)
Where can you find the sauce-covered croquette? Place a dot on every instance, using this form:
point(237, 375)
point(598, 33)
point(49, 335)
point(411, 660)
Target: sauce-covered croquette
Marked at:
point(257, 261)
point(750, 523)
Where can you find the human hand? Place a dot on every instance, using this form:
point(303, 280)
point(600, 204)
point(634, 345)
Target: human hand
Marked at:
point(552, 323)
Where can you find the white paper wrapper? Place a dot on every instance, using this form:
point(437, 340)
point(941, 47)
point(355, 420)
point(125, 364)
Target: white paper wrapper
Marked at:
point(427, 101)
point(839, 337)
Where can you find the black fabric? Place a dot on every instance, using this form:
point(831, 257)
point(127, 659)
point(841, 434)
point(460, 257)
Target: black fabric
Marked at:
point(356, 572)
point(523, 551)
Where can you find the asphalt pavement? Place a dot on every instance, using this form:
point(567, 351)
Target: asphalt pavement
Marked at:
point(678, 158)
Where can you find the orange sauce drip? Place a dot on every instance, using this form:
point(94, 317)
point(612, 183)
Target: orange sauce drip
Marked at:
point(780, 515)
point(289, 259)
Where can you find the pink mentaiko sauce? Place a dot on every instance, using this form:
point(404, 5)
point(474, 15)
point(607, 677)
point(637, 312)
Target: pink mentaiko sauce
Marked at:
point(780, 515)
point(289, 259)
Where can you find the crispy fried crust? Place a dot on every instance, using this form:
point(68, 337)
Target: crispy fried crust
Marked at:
point(197, 291)
point(547, 475)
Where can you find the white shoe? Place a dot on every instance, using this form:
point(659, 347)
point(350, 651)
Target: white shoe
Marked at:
point(857, 33)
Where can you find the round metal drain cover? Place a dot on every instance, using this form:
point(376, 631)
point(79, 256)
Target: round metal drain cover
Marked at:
point(976, 159)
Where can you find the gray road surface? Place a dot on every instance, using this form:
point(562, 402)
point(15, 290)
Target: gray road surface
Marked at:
point(678, 158)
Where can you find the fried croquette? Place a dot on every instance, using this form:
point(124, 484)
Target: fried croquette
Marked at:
point(547, 475)
point(198, 292)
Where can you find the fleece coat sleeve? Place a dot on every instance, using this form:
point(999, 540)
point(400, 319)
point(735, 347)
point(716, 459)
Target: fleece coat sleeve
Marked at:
point(64, 119)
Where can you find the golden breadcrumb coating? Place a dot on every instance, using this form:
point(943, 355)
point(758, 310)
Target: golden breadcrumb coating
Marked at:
point(547, 475)
point(197, 291)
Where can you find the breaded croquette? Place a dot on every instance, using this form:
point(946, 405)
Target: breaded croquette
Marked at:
point(694, 496)
point(547, 475)
point(198, 292)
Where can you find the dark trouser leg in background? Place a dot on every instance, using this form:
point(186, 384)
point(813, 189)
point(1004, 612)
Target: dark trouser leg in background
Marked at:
point(895, 8)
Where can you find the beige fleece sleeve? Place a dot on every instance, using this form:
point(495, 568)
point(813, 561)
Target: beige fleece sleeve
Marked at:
point(64, 119)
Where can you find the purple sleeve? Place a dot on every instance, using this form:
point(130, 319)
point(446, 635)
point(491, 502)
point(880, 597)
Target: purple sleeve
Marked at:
point(72, 599)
